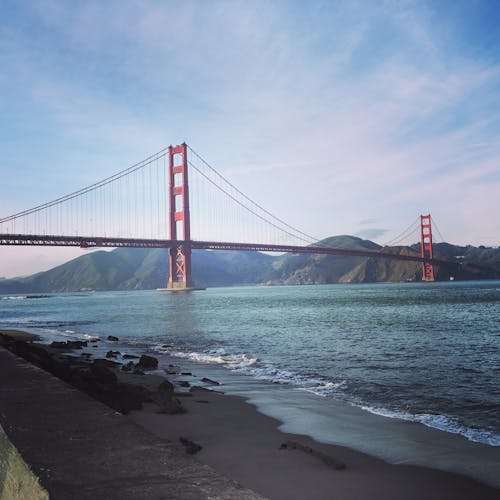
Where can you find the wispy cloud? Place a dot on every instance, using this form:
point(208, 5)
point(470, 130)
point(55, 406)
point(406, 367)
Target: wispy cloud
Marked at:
point(352, 108)
point(371, 233)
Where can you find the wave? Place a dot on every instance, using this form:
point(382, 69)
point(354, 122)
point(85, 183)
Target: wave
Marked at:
point(322, 386)
point(440, 422)
point(217, 356)
point(24, 297)
point(309, 383)
point(252, 366)
point(73, 334)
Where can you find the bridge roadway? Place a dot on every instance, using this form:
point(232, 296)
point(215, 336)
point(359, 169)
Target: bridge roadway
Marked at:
point(107, 242)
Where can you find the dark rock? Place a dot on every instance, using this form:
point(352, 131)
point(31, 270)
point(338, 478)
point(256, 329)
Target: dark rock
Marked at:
point(209, 381)
point(79, 379)
point(34, 352)
point(148, 362)
point(59, 345)
point(61, 368)
point(77, 343)
point(190, 446)
point(166, 387)
point(327, 459)
point(183, 383)
point(112, 338)
point(97, 379)
point(187, 373)
point(138, 371)
point(112, 354)
point(164, 398)
point(103, 374)
point(70, 344)
point(130, 356)
point(127, 397)
point(106, 362)
point(128, 367)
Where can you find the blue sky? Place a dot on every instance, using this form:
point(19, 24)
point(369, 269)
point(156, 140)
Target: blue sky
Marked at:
point(365, 114)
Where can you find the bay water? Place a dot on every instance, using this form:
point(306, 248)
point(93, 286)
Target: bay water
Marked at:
point(409, 372)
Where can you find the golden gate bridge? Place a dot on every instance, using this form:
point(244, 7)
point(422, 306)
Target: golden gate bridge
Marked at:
point(171, 201)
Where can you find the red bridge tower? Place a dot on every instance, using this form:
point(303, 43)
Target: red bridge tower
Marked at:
point(178, 196)
point(426, 247)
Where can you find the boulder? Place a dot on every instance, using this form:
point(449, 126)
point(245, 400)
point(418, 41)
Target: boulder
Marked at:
point(147, 362)
point(69, 344)
point(190, 446)
point(127, 397)
point(106, 362)
point(103, 374)
point(164, 398)
point(112, 338)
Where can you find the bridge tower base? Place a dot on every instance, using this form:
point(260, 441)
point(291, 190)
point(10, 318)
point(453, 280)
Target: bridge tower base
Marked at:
point(426, 247)
point(180, 278)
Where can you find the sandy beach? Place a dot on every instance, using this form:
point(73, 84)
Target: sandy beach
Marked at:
point(233, 439)
point(246, 445)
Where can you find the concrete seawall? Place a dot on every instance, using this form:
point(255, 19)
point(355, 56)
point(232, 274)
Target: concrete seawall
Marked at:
point(81, 449)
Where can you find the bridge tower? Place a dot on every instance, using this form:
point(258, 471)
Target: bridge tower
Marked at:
point(426, 247)
point(179, 223)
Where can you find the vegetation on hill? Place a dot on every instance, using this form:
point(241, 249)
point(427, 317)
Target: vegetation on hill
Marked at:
point(134, 269)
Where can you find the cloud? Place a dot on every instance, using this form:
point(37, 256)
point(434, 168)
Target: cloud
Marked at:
point(326, 117)
point(371, 233)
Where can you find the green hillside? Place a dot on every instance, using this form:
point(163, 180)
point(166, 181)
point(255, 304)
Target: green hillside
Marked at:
point(319, 269)
point(137, 269)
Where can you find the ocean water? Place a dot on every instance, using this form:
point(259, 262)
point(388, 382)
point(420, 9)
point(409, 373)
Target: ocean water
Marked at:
point(417, 352)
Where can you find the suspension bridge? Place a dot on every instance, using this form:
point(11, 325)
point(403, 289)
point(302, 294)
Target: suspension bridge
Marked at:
point(170, 200)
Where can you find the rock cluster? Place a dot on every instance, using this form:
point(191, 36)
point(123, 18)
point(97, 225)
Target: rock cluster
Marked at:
point(99, 378)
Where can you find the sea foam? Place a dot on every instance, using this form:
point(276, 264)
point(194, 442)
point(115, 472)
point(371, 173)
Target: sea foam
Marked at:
point(252, 366)
point(440, 422)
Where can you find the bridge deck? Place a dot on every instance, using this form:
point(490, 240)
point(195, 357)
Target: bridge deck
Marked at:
point(108, 242)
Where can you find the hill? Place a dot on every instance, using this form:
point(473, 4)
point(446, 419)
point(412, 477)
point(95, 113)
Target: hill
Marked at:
point(304, 269)
point(477, 263)
point(136, 269)
point(140, 268)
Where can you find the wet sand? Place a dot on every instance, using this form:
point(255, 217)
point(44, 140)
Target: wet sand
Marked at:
point(246, 446)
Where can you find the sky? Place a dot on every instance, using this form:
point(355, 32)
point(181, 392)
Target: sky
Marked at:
point(340, 117)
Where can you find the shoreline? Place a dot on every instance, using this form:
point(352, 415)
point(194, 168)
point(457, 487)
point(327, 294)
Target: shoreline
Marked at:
point(242, 443)
point(246, 445)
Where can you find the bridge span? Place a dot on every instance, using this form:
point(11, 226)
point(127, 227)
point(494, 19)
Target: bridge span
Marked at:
point(148, 205)
point(92, 242)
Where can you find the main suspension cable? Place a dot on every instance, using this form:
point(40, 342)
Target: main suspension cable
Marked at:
point(313, 240)
point(92, 187)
